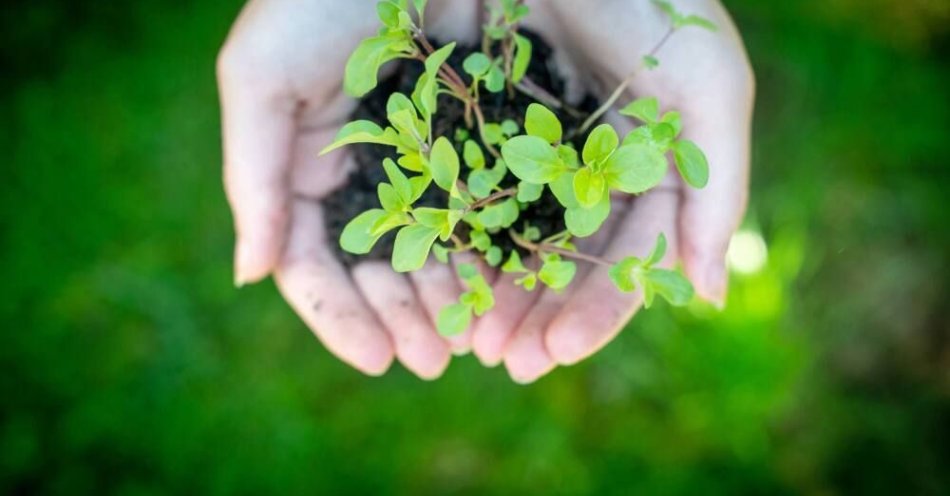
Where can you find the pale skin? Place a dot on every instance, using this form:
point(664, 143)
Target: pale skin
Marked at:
point(280, 77)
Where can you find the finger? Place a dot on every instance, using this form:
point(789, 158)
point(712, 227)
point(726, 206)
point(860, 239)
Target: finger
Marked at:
point(597, 310)
point(711, 215)
point(437, 287)
point(258, 134)
point(391, 296)
point(526, 357)
point(318, 288)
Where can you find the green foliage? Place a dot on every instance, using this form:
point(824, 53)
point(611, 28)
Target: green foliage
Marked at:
point(541, 122)
point(632, 272)
point(455, 318)
point(682, 20)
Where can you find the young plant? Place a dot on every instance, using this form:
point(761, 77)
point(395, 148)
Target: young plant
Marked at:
point(491, 175)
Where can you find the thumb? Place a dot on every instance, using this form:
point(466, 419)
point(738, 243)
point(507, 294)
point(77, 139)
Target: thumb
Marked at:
point(710, 216)
point(258, 132)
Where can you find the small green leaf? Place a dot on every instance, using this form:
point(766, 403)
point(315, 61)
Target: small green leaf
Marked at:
point(509, 127)
point(444, 164)
point(388, 198)
point(645, 109)
point(389, 222)
point(419, 186)
point(667, 7)
point(669, 284)
point(476, 64)
point(480, 183)
point(589, 187)
point(412, 246)
point(441, 253)
point(361, 70)
point(361, 132)
point(635, 168)
point(600, 144)
point(503, 214)
point(493, 256)
point(357, 236)
point(412, 161)
point(621, 273)
point(435, 60)
point(495, 81)
point(650, 62)
point(420, 6)
point(556, 273)
point(480, 240)
point(691, 163)
point(569, 156)
point(388, 13)
point(454, 319)
point(658, 135)
point(531, 233)
point(523, 50)
point(563, 189)
point(673, 119)
point(514, 264)
point(695, 20)
point(431, 217)
point(400, 182)
point(658, 251)
point(461, 134)
point(467, 271)
point(528, 282)
point(583, 222)
point(472, 154)
point(493, 133)
point(532, 159)
point(529, 192)
point(541, 122)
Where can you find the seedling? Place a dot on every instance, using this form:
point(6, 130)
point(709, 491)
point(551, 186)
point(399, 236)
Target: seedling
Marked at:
point(491, 173)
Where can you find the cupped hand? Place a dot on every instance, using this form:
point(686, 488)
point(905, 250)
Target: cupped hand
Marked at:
point(280, 76)
point(706, 76)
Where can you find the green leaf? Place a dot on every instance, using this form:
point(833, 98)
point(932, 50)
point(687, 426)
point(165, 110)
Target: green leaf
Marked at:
point(444, 164)
point(589, 187)
point(495, 81)
point(419, 186)
point(405, 122)
point(695, 20)
point(388, 198)
point(425, 95)
point(388, 13)
point(635, 168)
point(480, 240)
point(476, 64)
point(493, 133)
point(658, 251)
point(454, 319)
point(556, 273)
point(645, 109)
point(667, 7)
point(389, 222)
point(621, 273)
point(503, 214)
point(435, 60)
point(532, 159)
point(531, 233)
point(441, 253)
point(569, 156)
point(400, 182)
point(691, 163)
point(493, 256)
point(509, 128)
point(361, 70)
point(673, 119)
point(412, 247)
point(467, 271)
point(650, 62)
point(658, 135)
point(563, 189)
point(420, 6)
point(541, 122)
point(398, 101)
point(601, 142)
point(437, 218)
point(583, 222)
point(528, 282)
point(514, 264)
point(357, 237)
point(412, 161)
point(361, 132)
point(519, 66)
point(472, 154)
point(669, 284)
point(529, 192)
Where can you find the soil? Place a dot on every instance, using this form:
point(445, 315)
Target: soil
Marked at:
point(359, 193)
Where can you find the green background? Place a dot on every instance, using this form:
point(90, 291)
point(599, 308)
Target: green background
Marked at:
point(131, 365)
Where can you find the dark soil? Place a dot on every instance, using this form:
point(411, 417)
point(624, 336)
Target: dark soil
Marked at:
point(359, 194)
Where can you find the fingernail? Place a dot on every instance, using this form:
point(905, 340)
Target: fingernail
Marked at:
point(716, 284)
point(240, 261)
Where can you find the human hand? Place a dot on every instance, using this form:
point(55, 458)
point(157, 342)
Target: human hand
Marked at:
point(280, 76)
point(704, 75)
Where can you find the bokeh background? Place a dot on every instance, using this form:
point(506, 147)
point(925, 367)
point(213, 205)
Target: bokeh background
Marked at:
point(130, 364)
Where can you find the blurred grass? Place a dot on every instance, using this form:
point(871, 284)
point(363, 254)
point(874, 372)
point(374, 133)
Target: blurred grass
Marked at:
point(132, 366)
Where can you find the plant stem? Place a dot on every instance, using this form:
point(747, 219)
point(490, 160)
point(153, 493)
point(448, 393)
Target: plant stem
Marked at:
point(480, 118)
point(623, 86)
point(564, 252)
point(533, 90)
point(498, 195)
